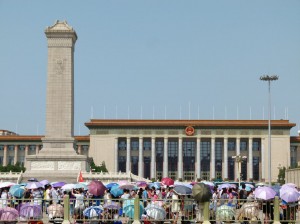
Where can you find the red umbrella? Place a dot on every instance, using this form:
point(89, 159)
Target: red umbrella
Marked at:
point(96, 188)
point(167, 181)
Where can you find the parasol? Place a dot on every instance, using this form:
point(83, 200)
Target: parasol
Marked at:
point(156, 212)
point(96, 188)
point(201, 192)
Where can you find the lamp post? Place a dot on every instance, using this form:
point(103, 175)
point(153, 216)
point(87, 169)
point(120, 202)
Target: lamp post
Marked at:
point(239, 159)
point(269, 79)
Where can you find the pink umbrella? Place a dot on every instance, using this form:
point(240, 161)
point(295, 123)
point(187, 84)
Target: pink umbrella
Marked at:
point(9, 214)
point(265, 193)
point(167, 181)
point(142, 184)
point(96, 188)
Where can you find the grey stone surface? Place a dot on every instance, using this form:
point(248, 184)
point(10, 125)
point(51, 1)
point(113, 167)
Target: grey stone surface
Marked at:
point(58, 156)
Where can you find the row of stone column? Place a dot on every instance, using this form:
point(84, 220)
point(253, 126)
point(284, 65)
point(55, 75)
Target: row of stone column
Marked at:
point(180, 157)
point(16, 149)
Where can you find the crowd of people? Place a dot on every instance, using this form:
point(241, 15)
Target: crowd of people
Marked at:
point(173, 206)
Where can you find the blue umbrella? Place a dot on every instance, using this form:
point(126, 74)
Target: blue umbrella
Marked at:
point(116, 191)
point(93, 211)
point(128, 208)
point(17, 190)
point(247, 188)
point(110, 185)
point(155, 184)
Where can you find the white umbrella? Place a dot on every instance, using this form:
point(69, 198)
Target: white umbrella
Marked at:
point(34, 185)
point(68, 187)
point(6, 184)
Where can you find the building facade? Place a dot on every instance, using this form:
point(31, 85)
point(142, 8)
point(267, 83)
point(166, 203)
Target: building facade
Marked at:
point(181, 149)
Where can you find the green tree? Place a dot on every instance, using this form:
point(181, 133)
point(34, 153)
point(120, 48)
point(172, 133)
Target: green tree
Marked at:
point(13, 168)
point(281, 175)
point(100, 168)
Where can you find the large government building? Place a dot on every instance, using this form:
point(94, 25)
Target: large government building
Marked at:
point(181, 149)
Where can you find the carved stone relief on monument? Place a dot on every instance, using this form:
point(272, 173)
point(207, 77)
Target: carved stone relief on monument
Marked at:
point(60, 66)
point(42, 165)
point(63, 165)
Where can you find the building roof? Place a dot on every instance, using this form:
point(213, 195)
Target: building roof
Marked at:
point(98, 123)
point(16, 138)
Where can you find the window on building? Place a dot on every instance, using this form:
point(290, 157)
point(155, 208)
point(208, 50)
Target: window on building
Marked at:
point(147, 144)
point(293, 156)
point(22, 160)
point(22, 147)
point(218, 154)
point(1, 147)
point(147, 167)
point(134, 164)
point(173, 155)
point(159, 150)
point(205, 155)
point(231, 162)
point(1, 160)
point(256, 168)
point(85, 148)
point(122, 144)
point(134, 144)
point(32, 147)
point(11, 147)
point(256, 144)
point(244, 144)
point(122, 163)
point(188, 150)
point(231, 144)
point(11, 160)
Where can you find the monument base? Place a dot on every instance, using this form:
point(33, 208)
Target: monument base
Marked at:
point(55, 167)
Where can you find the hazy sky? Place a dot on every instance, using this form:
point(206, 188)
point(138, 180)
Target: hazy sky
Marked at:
point(154, 59)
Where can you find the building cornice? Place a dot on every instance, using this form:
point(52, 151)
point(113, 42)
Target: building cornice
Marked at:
point(98, 123)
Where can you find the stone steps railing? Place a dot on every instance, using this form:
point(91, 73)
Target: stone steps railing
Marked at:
point(111, 176)
point(11, 176)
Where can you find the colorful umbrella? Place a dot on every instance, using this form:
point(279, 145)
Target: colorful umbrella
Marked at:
point(32, 179)
point(289, 194)
point(112, 205)
point(6, 184)
point(55, 211)
point(81, 185)
point(141, 184)
point(96, 188)
point(17, 191)
point(44, 182)
point(128, 208)
point(116, 191)
point(265, 193)
point(225, 213)
point(30, 211)
point(34, 185)
point(167, 181)
point(128, 186)
point(9, 214)
point(201, 192)
point(156, 185)
point(58, 184)
point(110, 185)
point(182, 190)
point(247, 188)
point(155, 212)
point(225, 185)
point(93, 211)
point(68, 187)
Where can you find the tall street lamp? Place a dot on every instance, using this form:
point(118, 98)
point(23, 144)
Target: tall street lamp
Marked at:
point(239, 159)
point(269, 79)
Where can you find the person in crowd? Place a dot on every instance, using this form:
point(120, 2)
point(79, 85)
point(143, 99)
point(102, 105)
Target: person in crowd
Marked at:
point(37, 195)
point(55, 195)
point(79, 201)
point(175, 207)
point(4, 198)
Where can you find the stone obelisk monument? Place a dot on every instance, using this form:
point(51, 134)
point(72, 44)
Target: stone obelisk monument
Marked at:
point(58, 157)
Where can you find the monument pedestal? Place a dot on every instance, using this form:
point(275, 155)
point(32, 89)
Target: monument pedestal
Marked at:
point(55, 167)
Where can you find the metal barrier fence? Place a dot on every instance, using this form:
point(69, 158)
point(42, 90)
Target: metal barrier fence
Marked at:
point(117, 211)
